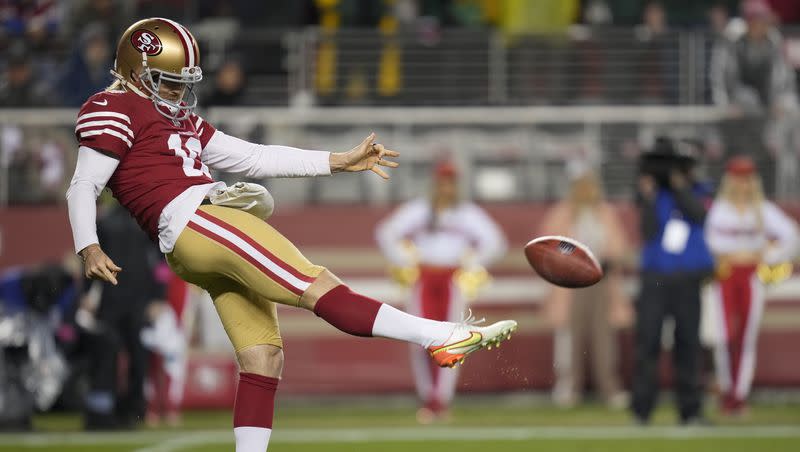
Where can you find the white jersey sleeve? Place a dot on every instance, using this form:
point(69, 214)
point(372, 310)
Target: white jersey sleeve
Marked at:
point(233, 155)
point(92, 172)
point(488, 239)
point(781, 233)
point(398, 227)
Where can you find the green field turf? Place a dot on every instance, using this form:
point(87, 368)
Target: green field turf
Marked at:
point(484, 427)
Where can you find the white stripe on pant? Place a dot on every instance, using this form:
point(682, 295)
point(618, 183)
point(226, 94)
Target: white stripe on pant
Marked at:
point(748, 361)
point(741, 382)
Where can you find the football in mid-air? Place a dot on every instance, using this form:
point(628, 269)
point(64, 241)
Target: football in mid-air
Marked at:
point(563, 261)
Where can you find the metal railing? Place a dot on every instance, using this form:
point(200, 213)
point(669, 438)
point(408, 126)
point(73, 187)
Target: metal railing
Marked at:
point(586, 66)
point(478, 67)
point(506, 153)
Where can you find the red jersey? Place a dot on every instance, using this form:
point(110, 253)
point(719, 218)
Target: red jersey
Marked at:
point(158, 158)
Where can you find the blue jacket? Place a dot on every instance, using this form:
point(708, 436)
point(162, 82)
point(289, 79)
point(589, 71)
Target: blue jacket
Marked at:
point(14, 300)
point(695, 256)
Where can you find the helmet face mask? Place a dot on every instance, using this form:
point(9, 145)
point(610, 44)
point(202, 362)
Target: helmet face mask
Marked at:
point(156, 55)
point(181, 107)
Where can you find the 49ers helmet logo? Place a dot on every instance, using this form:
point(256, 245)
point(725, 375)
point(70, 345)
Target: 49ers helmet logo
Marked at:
point(147, 42)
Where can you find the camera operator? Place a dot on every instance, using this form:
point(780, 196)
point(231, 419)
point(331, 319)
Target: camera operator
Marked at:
point(674, 262)
point(33, 305)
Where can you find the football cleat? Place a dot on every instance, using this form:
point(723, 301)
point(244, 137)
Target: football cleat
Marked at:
point(467, 337)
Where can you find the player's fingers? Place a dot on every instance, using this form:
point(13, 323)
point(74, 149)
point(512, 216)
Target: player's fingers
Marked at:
point(388, 163)
point(379, 172)
point(368, 141)
point(95, 273)
point(108, 275)
point(113, 267)
point(383, 151)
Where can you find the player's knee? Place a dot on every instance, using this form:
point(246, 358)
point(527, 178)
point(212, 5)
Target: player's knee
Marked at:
point(324, 283)
point(264, 360)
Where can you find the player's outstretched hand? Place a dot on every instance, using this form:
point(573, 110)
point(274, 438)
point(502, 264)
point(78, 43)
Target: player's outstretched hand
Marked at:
point(97, 265)
point(368, 155)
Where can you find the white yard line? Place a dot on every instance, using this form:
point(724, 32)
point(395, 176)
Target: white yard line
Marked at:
point(172, 441)
point(184, 441)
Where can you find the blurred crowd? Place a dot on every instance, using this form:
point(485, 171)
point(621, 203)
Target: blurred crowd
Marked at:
point(56, 53)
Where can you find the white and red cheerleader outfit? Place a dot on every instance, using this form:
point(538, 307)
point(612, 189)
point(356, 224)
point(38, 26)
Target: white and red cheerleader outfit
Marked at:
point(441, 244)
point(737, 301)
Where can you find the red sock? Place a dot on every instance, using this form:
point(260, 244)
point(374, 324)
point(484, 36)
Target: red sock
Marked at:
point(348, 311)
point(255, 401)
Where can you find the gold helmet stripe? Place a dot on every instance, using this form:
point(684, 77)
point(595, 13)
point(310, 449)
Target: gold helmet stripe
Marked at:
point(188, 46)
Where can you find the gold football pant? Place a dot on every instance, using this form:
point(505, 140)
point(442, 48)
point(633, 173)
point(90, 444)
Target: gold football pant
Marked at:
point(246, 266)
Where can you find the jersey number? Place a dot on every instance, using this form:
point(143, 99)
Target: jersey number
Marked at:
point(189, 151)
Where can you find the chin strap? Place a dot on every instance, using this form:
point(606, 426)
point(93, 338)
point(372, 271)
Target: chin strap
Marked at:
point(128, 85)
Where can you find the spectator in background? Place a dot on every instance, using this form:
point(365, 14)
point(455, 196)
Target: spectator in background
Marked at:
point(19, 164)
point(33, 160)
point(752, 78)
point(718, 19)
point(718, 22)
point(113, 318)
point(22, 17)
point(36, 23)
point(114, 14)
point(229, 83)
point(49, 159)
point(750, 72)
point(536, 32)
point(674, 262)
point(33, 304)
point(585, 319)
point(86, 72)
point(753, 242)
point(655, 66)
point(20, 85)
point(440, 247)
point(654, 20)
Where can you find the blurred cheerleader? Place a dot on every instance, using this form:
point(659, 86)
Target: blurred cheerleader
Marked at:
point(753, 242)
point(585, 320)
point(439, 247)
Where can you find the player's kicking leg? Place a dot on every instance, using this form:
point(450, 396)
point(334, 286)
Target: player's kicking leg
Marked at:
point(448, 343)
point(246, 265)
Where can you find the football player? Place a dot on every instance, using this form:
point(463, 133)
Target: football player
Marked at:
point(142, 138)
point(443, 243)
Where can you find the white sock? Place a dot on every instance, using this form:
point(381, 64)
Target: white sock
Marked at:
point(393, 323)
point(252, 439)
